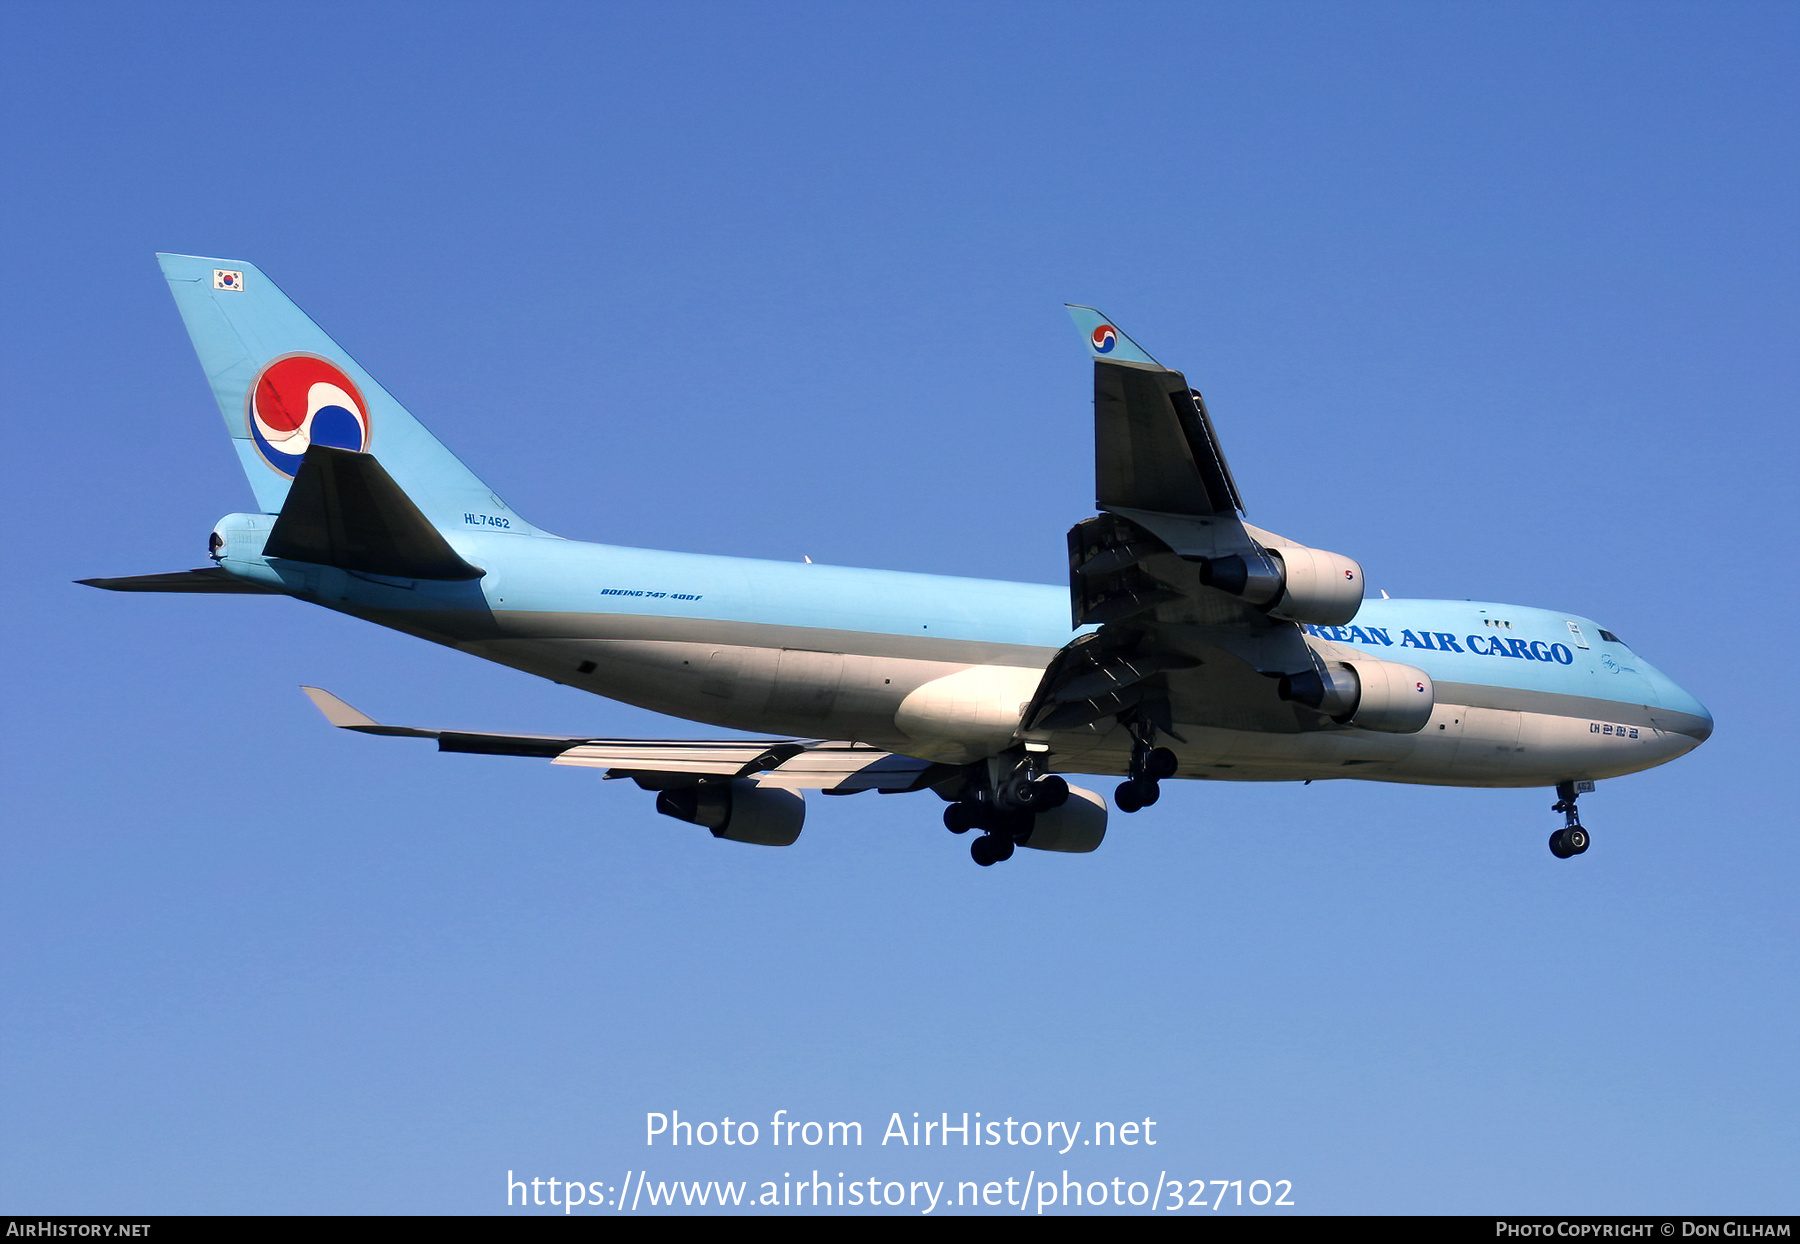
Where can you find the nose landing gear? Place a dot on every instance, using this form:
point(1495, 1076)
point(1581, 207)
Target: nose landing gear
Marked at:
point(1571, 839)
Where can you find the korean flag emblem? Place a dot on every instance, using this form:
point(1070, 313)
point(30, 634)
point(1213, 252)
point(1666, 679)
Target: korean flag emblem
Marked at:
point(225, 279)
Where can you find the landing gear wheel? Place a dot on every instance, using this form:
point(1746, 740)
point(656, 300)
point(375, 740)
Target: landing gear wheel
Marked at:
point(1135, 793)
point(1159, 763)
point(1047, 793)
point(1125, 798)
point(965, 816)
point(990, 849)
point(1015, 791)
point(1571, 839)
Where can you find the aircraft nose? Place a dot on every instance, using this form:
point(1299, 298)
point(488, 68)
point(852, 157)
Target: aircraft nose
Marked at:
point(1695, 721)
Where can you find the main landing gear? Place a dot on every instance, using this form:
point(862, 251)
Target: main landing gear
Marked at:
point(1149, 766)
point(1005, 817)
point(991, 848)
point(1571, 839)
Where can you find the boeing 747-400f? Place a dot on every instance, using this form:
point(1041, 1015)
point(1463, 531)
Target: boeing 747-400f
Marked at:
point(1187, 644)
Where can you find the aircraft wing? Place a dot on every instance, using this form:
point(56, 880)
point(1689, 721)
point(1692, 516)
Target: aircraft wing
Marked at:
point(1170, 646)
point(837, 768)
point(1154, 443)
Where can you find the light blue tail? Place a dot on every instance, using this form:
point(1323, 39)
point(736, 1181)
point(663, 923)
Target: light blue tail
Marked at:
point(282, 385)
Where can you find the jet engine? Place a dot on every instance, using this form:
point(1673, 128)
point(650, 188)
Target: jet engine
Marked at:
point(738, 810)
point(1375, 695)
point(1075, 826)
point(1295, 584)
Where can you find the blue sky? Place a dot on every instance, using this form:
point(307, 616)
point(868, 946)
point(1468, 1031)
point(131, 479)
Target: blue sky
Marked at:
point(1499, 300)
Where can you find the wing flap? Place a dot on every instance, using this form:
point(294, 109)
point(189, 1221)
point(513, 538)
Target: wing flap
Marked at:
point(725, 758)
point(846, 768)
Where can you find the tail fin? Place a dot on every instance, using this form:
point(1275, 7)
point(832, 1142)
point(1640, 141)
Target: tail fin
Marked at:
point(283, 385)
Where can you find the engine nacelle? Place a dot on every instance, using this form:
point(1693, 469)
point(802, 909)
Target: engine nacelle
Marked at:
point(1295, 584)
point(738, 810)
point(1375, 695)
point(1077, 825)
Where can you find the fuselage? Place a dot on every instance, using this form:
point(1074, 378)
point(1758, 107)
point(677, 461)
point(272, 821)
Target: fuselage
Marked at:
point(1524, 696)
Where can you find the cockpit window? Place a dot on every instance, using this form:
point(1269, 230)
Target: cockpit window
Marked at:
point(1611, 638)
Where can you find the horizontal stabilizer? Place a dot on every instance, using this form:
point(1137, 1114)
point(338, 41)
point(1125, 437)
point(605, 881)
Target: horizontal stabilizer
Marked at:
point(344, 510)
point(209, 579)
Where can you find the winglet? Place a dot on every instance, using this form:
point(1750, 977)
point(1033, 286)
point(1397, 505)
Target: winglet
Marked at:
point(1105, 341)
point(344, 717)
point(336, 711)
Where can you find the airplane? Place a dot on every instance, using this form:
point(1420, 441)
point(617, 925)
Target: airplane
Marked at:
point(1187, 644)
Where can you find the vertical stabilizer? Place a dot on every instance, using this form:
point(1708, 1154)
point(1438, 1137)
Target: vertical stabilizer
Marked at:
point(283, 385)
